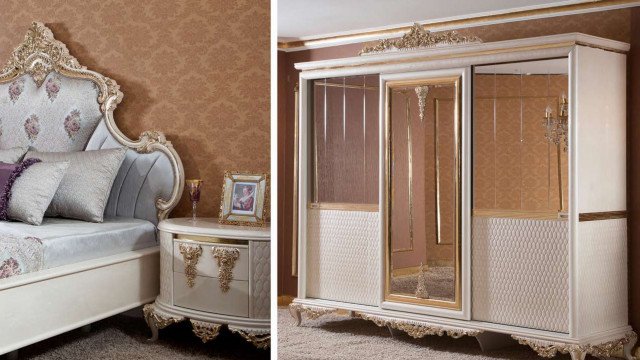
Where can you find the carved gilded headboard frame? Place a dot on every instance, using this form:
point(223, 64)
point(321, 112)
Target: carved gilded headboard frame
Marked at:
point(40, 53)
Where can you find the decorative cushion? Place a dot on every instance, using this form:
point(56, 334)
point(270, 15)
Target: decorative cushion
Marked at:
point(13, 155)
point(33, 191)
point(8, 175)
point(64, 109)
point(85, 188)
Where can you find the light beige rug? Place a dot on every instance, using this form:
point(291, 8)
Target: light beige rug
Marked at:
point(338, 337)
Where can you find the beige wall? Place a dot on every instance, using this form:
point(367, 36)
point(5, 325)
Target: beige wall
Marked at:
point(196, 70)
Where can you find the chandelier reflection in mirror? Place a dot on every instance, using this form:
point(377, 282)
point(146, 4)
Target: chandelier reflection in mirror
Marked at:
point(556, 132)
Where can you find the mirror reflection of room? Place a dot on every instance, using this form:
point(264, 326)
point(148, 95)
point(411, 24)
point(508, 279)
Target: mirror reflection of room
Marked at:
point(345, 127)
point(423, 191)
point(520, 138)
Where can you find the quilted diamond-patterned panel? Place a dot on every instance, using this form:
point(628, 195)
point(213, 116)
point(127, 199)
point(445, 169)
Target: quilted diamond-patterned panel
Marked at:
point(260, 253)
point(602, 275)
point(343, 256)
point(520, 272)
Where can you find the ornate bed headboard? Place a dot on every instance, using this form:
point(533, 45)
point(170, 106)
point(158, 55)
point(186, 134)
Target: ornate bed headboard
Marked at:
point(52, 103)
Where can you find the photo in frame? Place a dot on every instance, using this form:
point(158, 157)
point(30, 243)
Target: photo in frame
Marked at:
point(244, 199)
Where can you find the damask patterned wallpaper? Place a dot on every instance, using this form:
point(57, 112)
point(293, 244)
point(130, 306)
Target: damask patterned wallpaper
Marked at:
point(197, 70)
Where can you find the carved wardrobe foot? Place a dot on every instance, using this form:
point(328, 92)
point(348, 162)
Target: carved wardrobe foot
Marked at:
point(205, 331)
point(157, 320)
point(312, 312)
point(261, 340)
point(578, 355)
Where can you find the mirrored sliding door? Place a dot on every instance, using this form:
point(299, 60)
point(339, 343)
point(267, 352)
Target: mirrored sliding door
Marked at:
point(423, 167)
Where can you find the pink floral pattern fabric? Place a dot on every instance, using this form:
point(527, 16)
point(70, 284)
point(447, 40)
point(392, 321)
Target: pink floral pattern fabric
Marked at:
point(72, 123)
point(20, 255)
point(15, 89)
point(9, 267)
point(52, 86)
point(32, 127)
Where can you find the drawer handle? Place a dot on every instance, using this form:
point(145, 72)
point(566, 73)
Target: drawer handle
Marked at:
point(190, 255)
point(226, 261)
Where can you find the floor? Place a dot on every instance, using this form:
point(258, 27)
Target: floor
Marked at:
point(125, 337)
point(338, 337)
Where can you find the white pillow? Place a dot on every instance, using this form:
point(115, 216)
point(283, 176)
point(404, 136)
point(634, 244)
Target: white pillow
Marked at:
point(84, 190)
point(33, 191)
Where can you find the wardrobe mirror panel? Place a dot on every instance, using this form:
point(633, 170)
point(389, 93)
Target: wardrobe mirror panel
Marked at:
point(423, 122)
point(345, 134)
point(520, 138)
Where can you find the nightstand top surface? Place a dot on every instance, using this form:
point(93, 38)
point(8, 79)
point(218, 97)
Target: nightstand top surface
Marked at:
point(211, 227)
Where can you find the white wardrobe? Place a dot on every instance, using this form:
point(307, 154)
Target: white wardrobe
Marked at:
point(450, 186)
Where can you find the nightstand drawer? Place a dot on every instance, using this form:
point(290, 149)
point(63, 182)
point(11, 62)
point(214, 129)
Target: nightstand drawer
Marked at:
point(207, 264)
point(206, 295)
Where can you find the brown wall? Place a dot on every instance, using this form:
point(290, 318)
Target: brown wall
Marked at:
point(622, 25)
point(196, 70)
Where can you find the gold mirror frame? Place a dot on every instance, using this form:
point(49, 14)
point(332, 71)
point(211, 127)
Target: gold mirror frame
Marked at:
point(388, 193)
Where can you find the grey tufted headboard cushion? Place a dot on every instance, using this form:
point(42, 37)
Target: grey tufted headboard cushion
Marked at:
point(142, 179)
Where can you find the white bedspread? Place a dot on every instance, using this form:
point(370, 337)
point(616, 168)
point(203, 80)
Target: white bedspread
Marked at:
point(66, 241)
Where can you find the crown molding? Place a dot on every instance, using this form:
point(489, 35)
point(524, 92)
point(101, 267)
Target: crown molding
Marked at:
point(454, 24)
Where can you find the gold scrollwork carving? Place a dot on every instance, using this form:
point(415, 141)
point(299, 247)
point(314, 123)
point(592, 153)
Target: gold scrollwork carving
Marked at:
point(226, 262)
point(416, 329)
point(417, 38)
point(205, 331)
point(550, 349)
point(260, 341)
point(157, 320)
point(190, 255)
point(312, 312)
point(149, 139)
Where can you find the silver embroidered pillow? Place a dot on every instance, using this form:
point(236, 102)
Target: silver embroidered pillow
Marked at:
point(13, 155)
point(84, 190)
point(33, 191)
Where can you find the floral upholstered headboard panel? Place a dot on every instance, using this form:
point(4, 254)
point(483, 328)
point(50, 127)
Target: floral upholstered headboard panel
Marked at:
point(63, 108)
point(50, 102)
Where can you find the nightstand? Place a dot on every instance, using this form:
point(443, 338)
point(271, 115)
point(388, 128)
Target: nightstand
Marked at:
point(213, 275)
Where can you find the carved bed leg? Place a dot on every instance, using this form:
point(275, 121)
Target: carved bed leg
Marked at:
point(157, 320)
point(577, 354)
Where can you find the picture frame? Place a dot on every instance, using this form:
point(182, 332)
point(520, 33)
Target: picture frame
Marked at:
point(245, 199)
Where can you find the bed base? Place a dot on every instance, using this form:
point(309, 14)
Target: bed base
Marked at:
point(47, 303)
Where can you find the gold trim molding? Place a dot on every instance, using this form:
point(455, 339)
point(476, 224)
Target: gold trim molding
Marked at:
point(226, 259)
point(40, 54)
point(521, 15)
point(608, 215)
point(419, 38)
point(417, 329)
point(344, 207)
point(606, 349)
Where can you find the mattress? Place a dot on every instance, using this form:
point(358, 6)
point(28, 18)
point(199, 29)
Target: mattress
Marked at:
point(67, 241)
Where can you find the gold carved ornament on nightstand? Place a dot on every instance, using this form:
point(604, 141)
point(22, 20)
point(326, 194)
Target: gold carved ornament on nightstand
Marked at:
point(226, 262)
point(190, 255)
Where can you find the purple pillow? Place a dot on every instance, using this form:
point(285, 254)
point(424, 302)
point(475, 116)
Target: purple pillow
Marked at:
point(8, 175)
